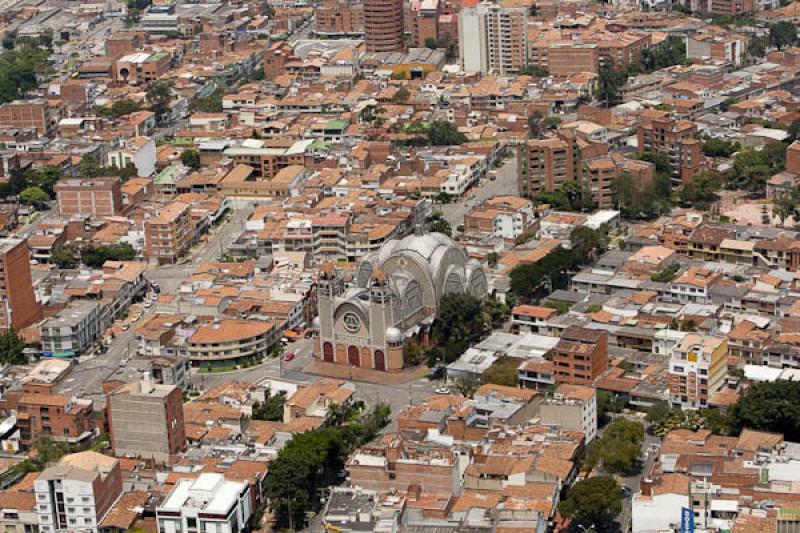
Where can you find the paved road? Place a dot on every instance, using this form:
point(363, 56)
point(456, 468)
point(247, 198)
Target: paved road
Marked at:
point(506, 183)
point(120, 360)
point(397, 396)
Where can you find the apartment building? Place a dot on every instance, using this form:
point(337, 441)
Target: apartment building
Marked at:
point(339, 17)
point(168, 234)
point(546, 164)
point(142, 67)
point(425, 22)
point(572, 408)
point(694, 285)
point(64, 418)
point(208, 503)
point(565, 59)
point(77, 493)
point(531, 318)
point(502, 216)
point(676, 139)
point(231, 341)
point(268, 157)
point(580, 355)
point(139, 152)
point(72, 330)
point(493, 39)
point(146, 420)
point(18, 306)
point(383, 25)
point(95, 197)
point(697, 370)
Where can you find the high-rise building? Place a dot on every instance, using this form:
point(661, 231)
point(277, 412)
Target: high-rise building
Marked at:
point(493, 39)
point(425, 22)
point(146, 420)
point(383, 25)
point(676, 139)
point(697, 370)
point(18, 306)
point(77, 493)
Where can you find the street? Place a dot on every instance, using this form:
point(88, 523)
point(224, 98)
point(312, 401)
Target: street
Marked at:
point(506, 183)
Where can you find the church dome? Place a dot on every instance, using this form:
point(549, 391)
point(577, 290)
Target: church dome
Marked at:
point(394, 335)
point(316, 323)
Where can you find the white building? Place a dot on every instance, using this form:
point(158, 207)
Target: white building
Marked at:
point(139, 151)
point(77, 493)
point(658, 507)
point(572, 407)
point(208, 504)
point(492, 38)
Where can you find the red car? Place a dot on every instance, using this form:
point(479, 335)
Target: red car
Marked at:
point(288, 357)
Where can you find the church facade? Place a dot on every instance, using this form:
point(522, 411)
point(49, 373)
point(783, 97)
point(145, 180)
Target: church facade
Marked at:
point(395, 295)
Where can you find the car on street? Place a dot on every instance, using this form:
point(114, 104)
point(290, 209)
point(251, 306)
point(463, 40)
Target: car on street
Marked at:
point(442, 390)
point(288, 357)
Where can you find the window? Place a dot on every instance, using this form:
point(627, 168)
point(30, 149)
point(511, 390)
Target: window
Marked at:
point(351, 322)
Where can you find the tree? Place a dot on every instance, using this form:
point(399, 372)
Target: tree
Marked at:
point(701, 189)
point(458, 323)
point(492, 258)
point(502, 372)
point(720, 148)
point(412, 353)
point(782, 34)
point(270, 409)
point(496, 313)
point(207, 104)
point(607, 403)
point(666, 275)
point(750, 171)
point(120, 108)
point(551, 123)
point(588, 243)
point(657, 412)
point(159, 95)
point(12, 348)
point(593, 502)
point(552, 270)
point(191, 159)
point(34, 196)
point(535, 128)
point(757, 46)
point(401, 96)
point(769, 406)
point(437, 224)
point(89, 167)
point(794, 131)
point(618, 449)
point(95, 257)
point(609, 83)
point(267, 10)
point(444, 133)
point(63, 256)
point(784, 205)
point(431, 43)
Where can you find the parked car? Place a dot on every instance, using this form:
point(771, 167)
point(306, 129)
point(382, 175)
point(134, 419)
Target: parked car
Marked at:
point(288, 357)
point(442, 390)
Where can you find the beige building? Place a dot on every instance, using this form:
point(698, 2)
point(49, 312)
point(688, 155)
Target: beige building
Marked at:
point(572, 407)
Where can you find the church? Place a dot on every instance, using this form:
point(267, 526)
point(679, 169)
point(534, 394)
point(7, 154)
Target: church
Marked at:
point(395, 295)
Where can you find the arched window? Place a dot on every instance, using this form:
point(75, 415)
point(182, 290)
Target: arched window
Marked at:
point(352, 356)
point(380, 360)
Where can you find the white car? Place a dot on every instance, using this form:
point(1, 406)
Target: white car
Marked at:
point(442, 390)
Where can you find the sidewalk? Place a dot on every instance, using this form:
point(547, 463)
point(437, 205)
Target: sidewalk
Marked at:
point(367, 375)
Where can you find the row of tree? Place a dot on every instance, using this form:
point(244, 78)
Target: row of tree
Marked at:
point(70, 256)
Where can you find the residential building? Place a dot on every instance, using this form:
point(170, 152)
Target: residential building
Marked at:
point(208, 503)
point(139, 152)
point(507, 217)
point(572, 408)
point(168, 234)
point(531, 318)
point(146, 420)
point(77, 493)
point(383, 25)
point(493, 39)
point(565, 59)
point(96, 197)
point(28, 114)
point(580, 355)
point(425, 22)
point(73, 329)
point(676, 139)
point(339, 17)
point(694, 285)
point(697, 369)
point(18, 306)
point(230, 342)
point(64, 418)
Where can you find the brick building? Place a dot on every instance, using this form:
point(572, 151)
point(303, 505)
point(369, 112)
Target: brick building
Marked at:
point(676, 139)
point(96, 197)
point(28, 114)
point(424, 22)
point(383, 25)
point(580, 356)
point(338, 17)
point(168, 234)
point(18, 306)
point(64, 418)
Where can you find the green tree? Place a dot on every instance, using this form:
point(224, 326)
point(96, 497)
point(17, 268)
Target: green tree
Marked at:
point(609, 83)
point(12, 348)
point(496, 313)
point(757, 46)
point(535, 127)
point(587, 243)
point(34, 196)
point(658, 412)
point(191, 159)
point(720, 148)
point(492, 258)
point(159, 96)
point(95, 257)
point(782, 34)
point(444, 133)
point(431, 43)
point(618, 449)
point(207, 104)
point(502, 372)
point(120, 108)
point(21, 70)
point(270, 409)
point(90, 167)
point(552, 270)
point(552, 122)
point(666, 275)
point(458, 323)
point(437, 224)
point(593, 502)
point(769, 406)
point(784, 205)
point(607, 403)
point(63, 256)
point(412, 353)
point(701, 189)
point(794, 131)
point(750, 170)
point(401, 96)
